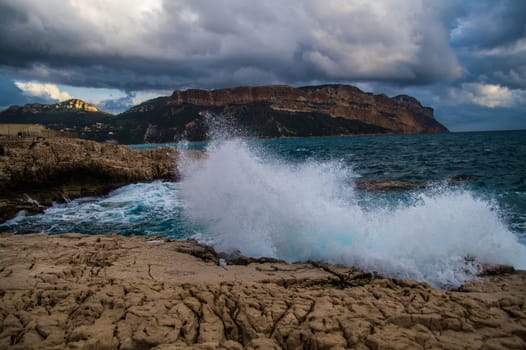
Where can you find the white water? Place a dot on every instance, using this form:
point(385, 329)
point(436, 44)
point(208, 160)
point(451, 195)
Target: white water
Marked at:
point(265, 207)
point(142, 208)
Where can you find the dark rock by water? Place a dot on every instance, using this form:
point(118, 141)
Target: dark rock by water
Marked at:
point(36, 172)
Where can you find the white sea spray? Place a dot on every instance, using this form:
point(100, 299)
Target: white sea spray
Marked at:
point(262, 206)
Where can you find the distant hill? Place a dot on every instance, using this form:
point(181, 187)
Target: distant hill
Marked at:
point(73, 115)
point(266, 111)
point(73, 105)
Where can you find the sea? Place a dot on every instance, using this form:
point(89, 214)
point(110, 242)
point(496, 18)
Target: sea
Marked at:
point(460, 202)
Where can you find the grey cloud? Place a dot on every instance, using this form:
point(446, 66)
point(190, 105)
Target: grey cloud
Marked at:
point(477, 118)
point(490, 40)
point(489, 23)
point(514, 76)
point(117, 105)
point(424, 48)
point(227, 42)
point(503, 71)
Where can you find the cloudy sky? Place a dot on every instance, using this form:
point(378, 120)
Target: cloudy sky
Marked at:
point(465, 58)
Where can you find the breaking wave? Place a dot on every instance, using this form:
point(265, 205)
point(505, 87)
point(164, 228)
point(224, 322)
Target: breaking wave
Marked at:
point(249, 201)
point(142, 208)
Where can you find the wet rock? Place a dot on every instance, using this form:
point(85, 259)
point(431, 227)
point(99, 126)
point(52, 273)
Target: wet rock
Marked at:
point(387, 185)
point(35, 173)
point(489, 270)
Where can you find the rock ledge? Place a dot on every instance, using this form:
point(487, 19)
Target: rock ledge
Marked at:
point(111, 292)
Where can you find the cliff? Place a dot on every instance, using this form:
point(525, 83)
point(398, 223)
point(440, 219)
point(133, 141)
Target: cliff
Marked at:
point(72, 105)
point(401, 114)
point(114, 292)
point(76, 104)
point(265, 111)
point(277, 111)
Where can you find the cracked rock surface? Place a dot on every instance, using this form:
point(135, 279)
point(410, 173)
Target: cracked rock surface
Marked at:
point(112, 292)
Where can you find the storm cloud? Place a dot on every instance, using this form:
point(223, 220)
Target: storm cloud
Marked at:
point(165, 44)
point(451, 52)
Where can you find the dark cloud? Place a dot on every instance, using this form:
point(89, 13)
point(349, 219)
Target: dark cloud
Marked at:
point(447, 53)
point(477, 118)
point(490, 23)
point(490, 40)
point(223, 43)
point(117, 105)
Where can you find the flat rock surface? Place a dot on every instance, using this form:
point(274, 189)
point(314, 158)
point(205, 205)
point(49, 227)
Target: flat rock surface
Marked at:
point(112, 292)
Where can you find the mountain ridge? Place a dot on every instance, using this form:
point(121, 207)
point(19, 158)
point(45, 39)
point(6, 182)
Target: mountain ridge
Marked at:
point(262, 111)
point(342, 101)
point(72, 104)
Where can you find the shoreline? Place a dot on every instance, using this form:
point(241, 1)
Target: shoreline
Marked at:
point(35, 172)
point(111, 291)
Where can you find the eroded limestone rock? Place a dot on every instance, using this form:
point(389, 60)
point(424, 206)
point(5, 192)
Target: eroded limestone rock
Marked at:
point(112, 292)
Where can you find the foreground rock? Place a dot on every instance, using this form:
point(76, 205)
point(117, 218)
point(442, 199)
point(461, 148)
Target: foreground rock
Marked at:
point(113, 292)
point(36, 172)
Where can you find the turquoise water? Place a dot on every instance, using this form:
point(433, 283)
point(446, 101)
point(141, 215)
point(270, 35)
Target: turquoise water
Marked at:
point(296, 199)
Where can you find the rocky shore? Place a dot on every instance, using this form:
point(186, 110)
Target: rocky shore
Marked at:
point(113, 292)
point(37, 171)
point(34, 172)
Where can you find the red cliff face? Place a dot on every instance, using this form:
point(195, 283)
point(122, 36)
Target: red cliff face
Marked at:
point(401, 114)
point(279, 111)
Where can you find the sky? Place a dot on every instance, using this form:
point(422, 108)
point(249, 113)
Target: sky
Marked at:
point(464, 58)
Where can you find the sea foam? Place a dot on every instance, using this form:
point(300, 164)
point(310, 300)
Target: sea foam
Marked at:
point(249, 201)
point(142, 208)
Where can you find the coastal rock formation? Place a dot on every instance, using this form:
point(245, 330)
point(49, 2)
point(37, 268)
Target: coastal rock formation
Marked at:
point(275, 111)
point(398, 185)
point(36, 172)
point(114, 292)
point(265, 111)
point(401, 114)
point(73, 104)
